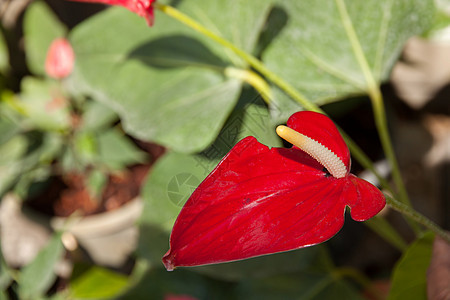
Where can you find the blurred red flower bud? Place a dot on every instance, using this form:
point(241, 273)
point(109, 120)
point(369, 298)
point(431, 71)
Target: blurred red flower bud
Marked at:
point(60, 59)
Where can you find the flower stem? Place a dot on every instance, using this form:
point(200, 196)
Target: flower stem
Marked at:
point(376, 97)
point(417, 217)
point(381, 124)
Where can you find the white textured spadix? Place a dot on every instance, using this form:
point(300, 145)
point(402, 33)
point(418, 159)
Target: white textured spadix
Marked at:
point(319, 152)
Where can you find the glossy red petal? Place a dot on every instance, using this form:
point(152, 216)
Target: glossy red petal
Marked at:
point(143, 8)
point(260, 201)
point(364, 199)
point(320, 128)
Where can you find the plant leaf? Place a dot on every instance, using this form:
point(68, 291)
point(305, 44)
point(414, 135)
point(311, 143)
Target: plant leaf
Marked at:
point(41, 27)
point(116, 151)
point(167, 83)
point(316, 53)
point(409, 279)
point(97, 116)
point(97, 283)
point(39, 275)
point(11, 155)
point(44, 105)
point(5, 275)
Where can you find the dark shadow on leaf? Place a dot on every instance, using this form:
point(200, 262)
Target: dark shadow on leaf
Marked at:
point(235, 124)
point(176, 51)
point(276, 21)
point(175, 3)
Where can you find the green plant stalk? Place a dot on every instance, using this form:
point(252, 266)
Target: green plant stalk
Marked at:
point(378, 106)
point(259, 66)
point(365, 161)
point(417, 217)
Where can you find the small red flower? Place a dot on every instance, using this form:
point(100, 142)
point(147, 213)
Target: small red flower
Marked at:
point(60, 59)
point(143, 8)
point(261, 201)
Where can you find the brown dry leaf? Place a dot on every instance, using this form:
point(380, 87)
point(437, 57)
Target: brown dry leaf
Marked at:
point(439, 128)
point(423, 71)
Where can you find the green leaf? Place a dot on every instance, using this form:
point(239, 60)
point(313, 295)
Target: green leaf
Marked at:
point(10, 161)
point(97, 283)
point(409, 279)
point(96, 183)
point(85, 147)
point(8, 129)
point(41, 27)
point(5, 275)
point(96, 116)
point(167, 82)
point(116, 151)
point(441, 23)
point(316, 53)
point(44, 105)
point(37, 277)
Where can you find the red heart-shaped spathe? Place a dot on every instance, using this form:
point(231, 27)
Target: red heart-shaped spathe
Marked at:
point(260, 201)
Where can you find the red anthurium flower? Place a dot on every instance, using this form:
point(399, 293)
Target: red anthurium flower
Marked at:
point(143, 8)
point(260, 201)
point(60, 59)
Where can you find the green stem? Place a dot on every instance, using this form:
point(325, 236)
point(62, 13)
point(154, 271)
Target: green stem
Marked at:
point(377, 104)
point(365, 161)
point(381, 124)
point(417, 217)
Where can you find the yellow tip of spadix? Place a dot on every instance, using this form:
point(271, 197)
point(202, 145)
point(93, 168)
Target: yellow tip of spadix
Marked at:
point(281, 129)
point(290, 135)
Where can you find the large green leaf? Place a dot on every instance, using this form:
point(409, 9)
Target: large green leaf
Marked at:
point(409, 280)
point(317, 53)
point(41, 27)
point(39, 275)
point(166, 82)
